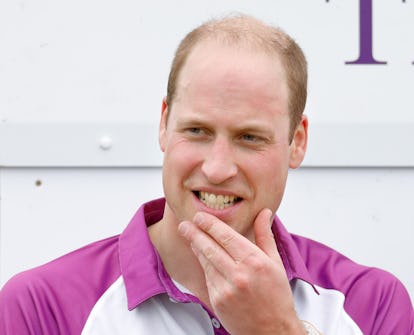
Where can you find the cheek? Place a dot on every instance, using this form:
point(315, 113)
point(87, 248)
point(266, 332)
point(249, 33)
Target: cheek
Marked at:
point(268, 173)
point(180, 156)
point(267, 165)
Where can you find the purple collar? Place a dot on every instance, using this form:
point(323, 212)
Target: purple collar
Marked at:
point(142, 269)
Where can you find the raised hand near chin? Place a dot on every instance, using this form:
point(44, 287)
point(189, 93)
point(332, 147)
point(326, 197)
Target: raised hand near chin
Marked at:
point(246, 282)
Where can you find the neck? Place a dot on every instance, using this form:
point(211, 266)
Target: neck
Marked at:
point(178, 258)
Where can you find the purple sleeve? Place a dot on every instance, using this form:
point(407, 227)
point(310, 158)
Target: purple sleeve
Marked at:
point(380, 304)
point(57, 297)
point(21, 310)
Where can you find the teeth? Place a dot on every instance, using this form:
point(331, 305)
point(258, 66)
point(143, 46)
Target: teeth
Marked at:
point(217, 201)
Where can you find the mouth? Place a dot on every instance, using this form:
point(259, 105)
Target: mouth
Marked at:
point(217, 201)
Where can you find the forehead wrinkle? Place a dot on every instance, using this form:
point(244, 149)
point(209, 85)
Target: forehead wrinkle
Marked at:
point(198, 78)
point(204, 93)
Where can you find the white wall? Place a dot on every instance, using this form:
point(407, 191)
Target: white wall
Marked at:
point(107, 60)
point(75, 72)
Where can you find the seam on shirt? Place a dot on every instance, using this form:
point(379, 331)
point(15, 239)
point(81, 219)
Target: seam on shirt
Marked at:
point(100, 303)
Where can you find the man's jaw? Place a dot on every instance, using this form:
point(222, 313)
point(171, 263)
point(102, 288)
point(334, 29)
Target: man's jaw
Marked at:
point(217, 201)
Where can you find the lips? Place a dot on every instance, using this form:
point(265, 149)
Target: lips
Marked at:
point(217, 201)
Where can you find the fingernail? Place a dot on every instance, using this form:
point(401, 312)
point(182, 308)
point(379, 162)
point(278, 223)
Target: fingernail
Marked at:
point(183, 227)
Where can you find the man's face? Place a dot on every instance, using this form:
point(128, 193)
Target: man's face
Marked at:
point(226, 142)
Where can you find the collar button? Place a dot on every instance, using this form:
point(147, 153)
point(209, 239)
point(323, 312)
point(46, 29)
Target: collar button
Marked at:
point(216, 323)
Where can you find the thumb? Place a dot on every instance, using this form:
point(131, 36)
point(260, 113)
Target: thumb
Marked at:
point(263, 233)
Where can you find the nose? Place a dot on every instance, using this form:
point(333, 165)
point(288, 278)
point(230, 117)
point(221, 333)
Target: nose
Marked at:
point(219, 164)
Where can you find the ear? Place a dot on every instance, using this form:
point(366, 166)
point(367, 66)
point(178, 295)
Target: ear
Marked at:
point(163, 125)
point(299, 143)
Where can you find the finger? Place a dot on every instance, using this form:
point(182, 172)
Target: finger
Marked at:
point(235, 244)
point(208, 251)
point(216, 282)
point(263, 234)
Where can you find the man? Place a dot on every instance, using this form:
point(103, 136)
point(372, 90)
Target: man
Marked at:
point(212, 258)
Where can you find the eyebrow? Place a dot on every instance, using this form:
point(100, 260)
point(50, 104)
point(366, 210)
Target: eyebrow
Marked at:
point(191, 122)
point(249, 127)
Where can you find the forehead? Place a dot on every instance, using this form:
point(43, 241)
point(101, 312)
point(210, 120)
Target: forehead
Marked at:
point(222, 73)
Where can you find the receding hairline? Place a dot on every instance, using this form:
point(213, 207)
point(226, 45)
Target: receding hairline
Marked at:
point(246, 32)
point(243, 31)
point(235, 30)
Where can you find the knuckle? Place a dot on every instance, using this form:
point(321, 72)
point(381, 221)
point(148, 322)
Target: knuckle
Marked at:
point(209, 252)
point(241, 281)
point(256, 264)
point(221, 300)
point(227, 239)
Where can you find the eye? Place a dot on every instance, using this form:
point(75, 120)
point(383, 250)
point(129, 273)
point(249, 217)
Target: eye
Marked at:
point(195, 131)
point(253, 140)
point(250, 138)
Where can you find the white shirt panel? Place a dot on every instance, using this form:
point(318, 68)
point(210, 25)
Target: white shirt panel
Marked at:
point(324, 311)
point(159, 315)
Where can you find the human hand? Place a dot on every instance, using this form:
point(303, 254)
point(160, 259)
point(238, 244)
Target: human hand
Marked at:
point(246, 282)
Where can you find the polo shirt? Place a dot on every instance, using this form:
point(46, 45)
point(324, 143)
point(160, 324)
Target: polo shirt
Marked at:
point(120, 286)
